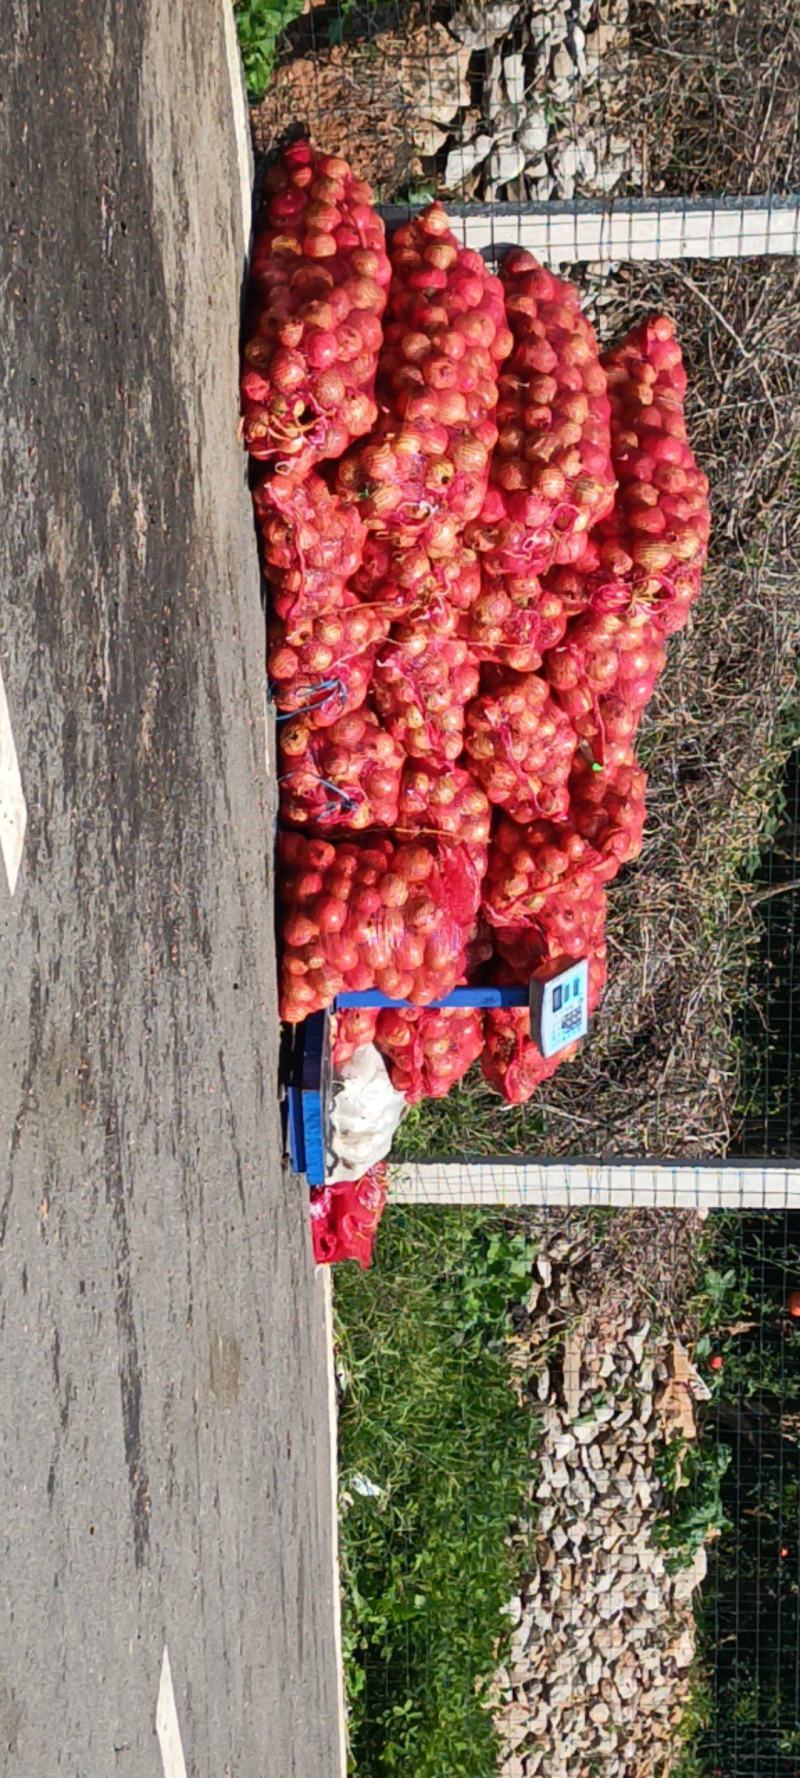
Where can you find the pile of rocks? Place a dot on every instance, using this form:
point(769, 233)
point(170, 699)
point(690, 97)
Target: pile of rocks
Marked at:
point(602, 1634)
point(515, 99)
point(554, 94)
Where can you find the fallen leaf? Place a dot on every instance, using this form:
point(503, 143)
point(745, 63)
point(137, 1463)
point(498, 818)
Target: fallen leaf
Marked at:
point(675, 1400)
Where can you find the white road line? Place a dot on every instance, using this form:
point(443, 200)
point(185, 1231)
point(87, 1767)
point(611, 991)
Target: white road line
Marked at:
point(241, 128)
point(13, 809)
point(167, 1727)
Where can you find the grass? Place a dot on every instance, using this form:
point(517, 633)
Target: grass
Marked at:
point(691, 1762)
point(259, 24)
point(435, 1466)
point(704, 123)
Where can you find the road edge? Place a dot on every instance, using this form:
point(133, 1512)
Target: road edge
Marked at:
point(244, 155)
point(333, 1445)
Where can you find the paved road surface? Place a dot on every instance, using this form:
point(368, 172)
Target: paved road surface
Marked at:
point(164, 1462)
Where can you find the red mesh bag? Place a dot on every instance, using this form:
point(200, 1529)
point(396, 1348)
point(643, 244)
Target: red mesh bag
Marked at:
point(319, 277)
point(653, 543)
point(521, 950)
point(574, 582)
point(528, 864)
point(572, 921)
point(551, 476)
point(513, 621)
point(345, 1217)
point(480, 949)
point(563, 865)
point(344, 776)
point(409, 584)
point(527, 951)
point(373, 915)
point(320, 888)
point(446, 800)
point(352, 1028)
point(328, 671)
point(422, 682)
point(423, 474)
point(511, 1061)
point(311, 546)
point(605, 653)
point(608, 809)
point(520, 746)
point(427, 1052)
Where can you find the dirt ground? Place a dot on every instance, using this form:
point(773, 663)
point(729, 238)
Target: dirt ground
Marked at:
point(164, 1434)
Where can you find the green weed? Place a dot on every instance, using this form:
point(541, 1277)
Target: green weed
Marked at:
point(690, 1476)
point(435, 1467)
point(259, 24)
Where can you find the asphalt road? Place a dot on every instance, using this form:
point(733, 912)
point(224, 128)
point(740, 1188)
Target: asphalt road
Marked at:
point(164, 1440)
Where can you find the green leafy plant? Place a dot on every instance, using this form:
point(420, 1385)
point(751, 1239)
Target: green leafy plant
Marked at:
point(691, 1760)
point(434, 1456)
point(690, 1476)
point(259, 24)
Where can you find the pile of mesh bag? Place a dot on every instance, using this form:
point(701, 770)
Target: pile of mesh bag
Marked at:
point(478, 533)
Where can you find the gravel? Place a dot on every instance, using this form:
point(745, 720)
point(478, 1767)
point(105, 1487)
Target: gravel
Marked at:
point(603, 1635)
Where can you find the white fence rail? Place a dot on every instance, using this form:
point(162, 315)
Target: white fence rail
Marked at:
point(641, 229)
point(621, 1185)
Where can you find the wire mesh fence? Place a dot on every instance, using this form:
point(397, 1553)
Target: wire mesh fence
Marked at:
point(570, 1427)
point(570, 1486)
point(653, 153)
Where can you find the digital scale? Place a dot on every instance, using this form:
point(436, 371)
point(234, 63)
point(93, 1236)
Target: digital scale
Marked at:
point(559, 1010)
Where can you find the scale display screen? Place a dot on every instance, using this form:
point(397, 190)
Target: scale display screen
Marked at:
point(560, 1008)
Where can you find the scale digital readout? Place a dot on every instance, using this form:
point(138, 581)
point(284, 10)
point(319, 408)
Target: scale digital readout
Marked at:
point(560, 1008)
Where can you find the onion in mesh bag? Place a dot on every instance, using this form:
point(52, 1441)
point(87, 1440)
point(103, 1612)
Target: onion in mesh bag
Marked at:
point(373, 915)
point(344, 776)
point(311, 546)
point(512, 1062)
point(319, 276)
point(513, 620)
point(526, 864)
point(352, 1028)
point(421, 684)
point(424, 471)
point(520, 745)
point(427, 1052)
point(551, 477)
point(446, 800)
point(605, 654)
point(327, 671)
point(653, 543)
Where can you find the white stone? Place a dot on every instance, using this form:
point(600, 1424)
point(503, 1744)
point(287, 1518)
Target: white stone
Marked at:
point(636, 1339)
point(534, 133)
point(463, 160)
point(478, 26)
point(514, 77)
point(690, 1577)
